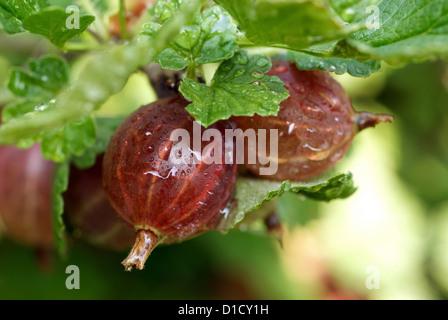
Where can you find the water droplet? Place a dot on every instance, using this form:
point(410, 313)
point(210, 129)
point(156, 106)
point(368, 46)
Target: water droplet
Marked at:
point(239, 73)
point(257, 75)
point(298, 89)
point(313, 111)
point(241, 59)
point(262, 62)
point(227, 67)
point(280, 69)
point(291, 128)
point(317, 152)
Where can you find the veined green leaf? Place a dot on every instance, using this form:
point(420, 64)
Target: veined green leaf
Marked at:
point(45, 78)
point(251, 193)
point(408, 31)
point(52, 24)
point(14, 12)
point(211, 38)
point(71, 139)
point(287, 23)
point(240, 87)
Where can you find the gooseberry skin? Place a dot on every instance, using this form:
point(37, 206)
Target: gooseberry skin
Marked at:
point(26, 196)
point(165, 203)
point(89, 212)
point(316, 124)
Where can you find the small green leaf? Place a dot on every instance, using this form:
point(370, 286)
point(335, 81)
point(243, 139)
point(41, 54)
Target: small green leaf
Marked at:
point(239, 88)
point(17, 110)
point(13, 12)
point(60, 184)
point(45, 78)
point(251, 193)
point(171, 59)
point(338, 65)
point(164, 9)
point(72, 139)
point(211, 38)
point(291, 24)
point(52, 24)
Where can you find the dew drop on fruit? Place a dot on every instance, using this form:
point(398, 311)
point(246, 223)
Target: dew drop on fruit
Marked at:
point(313, 111)
point(316, 152)
point(280, 69)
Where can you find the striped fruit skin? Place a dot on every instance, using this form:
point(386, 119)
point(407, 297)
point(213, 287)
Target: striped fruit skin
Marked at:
point(152, 193)
point(26, 181)
point(316, 124)
point(89, 212)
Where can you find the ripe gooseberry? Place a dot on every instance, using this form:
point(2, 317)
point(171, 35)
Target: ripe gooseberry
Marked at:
point(316, 124)
point(26, 193)
point(166, 201)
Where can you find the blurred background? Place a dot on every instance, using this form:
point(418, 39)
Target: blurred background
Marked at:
point(387, 241)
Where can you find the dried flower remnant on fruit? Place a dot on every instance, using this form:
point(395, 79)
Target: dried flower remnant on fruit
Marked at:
point(316, 124)
point(165, 201)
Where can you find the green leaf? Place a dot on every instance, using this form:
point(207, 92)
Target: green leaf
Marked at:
point(60, 184)
point(52, 24)
point(45, 78)
point(338, 65)
point(71, 139)
point(354, 10)
point(105, 128)
point(251, 193)
point(165, 9)
point(13, 12)
point(410, 31)
point(295, 210)
point(239, 88)
point(211, 38)
point(292, 24)
point(17, 110)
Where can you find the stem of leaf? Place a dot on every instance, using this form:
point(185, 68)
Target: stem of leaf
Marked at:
point(82, 46)
point(122, 13)
point(191, 71)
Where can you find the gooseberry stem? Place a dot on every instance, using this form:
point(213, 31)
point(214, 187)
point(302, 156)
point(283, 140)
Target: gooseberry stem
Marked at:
point(368, 120)
point(145, 242)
